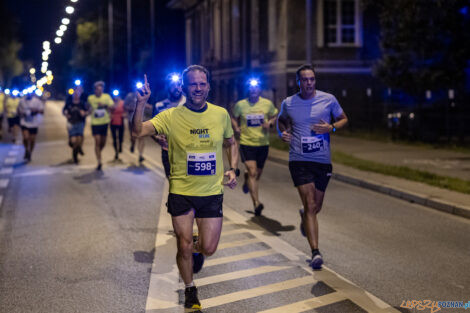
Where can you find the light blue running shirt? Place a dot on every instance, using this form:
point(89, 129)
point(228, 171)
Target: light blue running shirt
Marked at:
point(305, 144)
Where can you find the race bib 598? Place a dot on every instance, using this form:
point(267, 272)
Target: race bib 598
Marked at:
point(200, 164)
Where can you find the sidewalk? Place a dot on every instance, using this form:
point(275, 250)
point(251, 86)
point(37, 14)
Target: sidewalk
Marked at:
point(441, 162)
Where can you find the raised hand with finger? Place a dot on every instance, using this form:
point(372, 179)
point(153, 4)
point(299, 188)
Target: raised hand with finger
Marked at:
point(143, 94)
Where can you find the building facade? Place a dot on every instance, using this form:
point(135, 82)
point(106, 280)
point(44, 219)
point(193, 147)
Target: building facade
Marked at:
point(268, 38)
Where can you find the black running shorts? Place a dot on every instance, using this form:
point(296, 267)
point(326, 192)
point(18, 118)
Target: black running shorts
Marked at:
point(254, 153)
point(101, 130)
point(31, 130)
point(12, 121)
point(204, 207)
point(305, 172)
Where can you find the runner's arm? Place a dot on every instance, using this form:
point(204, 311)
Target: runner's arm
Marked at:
point(139, 128)
point(235, 125)
point(340, 121)
point(231, 144)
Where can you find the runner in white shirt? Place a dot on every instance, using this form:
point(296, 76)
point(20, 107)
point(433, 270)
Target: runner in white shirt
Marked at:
point(30, 111)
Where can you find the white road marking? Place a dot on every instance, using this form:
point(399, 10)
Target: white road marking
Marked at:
point(308, 304)
point(256, 292)
point(10, 161)
point(13, 153)
point(164, 277)
point(6, 170)
point(239, 274)
point(4, 182)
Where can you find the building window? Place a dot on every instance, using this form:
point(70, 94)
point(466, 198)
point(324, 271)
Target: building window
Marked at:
point(341, 23)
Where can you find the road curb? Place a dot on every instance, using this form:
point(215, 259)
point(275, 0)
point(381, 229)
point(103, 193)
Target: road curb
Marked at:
point(396, 192)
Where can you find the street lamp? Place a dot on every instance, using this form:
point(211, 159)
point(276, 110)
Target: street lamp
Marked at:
point(65, 21)
point(58, 40)
point(69, 10)
point(63, 28)
point(59, 33)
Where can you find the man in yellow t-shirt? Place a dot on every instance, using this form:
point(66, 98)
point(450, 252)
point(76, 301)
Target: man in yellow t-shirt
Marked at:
point(11, 106)
point(252, 118)
point(196, 133)
point(100, 104)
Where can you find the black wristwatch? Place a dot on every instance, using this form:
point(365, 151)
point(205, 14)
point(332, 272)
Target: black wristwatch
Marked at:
point(236, 170)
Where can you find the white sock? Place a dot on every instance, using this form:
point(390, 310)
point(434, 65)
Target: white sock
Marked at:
point(191, 284)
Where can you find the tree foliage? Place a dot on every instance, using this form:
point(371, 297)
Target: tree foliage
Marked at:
point(88, 52)
point(10, 64)
point(424, 43)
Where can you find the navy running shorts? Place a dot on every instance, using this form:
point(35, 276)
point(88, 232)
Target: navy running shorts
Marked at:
point(101, 130)
point(254, 153)
point(306, 172)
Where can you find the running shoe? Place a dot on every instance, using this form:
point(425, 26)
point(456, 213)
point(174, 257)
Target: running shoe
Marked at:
point(302, 229)
point(190, 298)
point(198, 262)
point(141, 159)
point(245, 183)
point(258, 209)
point(98, 168)
point(316, 262)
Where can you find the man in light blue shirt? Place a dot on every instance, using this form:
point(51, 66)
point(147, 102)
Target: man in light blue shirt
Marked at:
point(306, 121)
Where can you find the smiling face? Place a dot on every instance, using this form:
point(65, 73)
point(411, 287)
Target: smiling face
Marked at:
point(196, 88)
point(307, 83)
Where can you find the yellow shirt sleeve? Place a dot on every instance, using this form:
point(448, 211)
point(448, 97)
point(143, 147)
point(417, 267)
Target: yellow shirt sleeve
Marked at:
point(237, 110)
point(272, 110)
point(109, 100)
point(161, 121)
point(228, 130)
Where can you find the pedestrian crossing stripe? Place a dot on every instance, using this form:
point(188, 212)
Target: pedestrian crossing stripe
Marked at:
point(239, 274)
point(238, 257)
point(309, 304)
point(165, 281)
point(255, 292)
point(238, 243)
point(6, 171)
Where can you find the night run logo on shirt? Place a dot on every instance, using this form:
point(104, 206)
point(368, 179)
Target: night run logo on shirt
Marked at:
point(203, 133)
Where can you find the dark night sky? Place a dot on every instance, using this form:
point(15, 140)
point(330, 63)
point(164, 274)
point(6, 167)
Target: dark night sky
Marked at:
point(38, 20)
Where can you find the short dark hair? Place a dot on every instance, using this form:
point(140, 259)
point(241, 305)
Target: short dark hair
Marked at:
point(192, 68)
point(303, 68)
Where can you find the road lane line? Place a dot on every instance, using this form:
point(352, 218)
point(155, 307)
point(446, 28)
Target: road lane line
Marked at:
point(232, 231)
point(4, 182)
point(238, 257)
point(6, 170)
point(308, 305)
point(13, 153)
point(256, 292)
point(238, 243)
point(239, 274)
point(10, 161)
point(164, 278)
point(168, 282)
point(359, 296)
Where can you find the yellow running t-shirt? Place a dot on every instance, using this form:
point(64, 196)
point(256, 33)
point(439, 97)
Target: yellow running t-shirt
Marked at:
point(100, 115)
point(195, 141)
point(252, 116)
point(12, 107)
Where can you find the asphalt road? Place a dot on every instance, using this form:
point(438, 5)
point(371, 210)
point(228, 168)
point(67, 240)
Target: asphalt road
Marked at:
point(73, 240)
